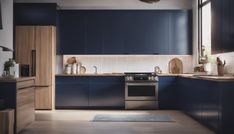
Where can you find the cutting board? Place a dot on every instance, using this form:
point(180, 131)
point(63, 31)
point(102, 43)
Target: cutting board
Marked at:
point(175, 66)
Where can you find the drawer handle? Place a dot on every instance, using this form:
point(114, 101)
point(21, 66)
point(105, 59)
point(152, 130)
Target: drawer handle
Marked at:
point(33, 53)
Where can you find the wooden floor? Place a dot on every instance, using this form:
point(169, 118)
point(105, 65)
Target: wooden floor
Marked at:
point(79, 122)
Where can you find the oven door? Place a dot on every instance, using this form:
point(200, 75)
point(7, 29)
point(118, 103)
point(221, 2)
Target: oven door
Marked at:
point(141, 91)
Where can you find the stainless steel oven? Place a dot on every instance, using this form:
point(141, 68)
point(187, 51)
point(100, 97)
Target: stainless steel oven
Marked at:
point(141, 91)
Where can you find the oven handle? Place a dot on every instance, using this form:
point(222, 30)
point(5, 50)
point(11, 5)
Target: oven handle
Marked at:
point(141, 84)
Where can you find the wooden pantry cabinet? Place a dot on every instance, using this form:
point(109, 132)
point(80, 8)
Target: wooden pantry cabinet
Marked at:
point(35, 46)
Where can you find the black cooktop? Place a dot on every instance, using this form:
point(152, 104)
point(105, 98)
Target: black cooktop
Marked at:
point(140, 73)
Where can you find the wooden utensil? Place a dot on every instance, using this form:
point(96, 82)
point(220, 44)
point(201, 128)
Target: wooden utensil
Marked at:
point(82, 70)
point(175, 66)
point(71, 60)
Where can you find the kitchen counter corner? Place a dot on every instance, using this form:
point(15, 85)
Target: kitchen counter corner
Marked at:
point(11, 79)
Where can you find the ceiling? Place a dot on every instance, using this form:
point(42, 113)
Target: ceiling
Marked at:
point(115, 4)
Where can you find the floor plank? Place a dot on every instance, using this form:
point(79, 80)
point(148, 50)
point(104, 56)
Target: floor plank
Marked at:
point(79, 122)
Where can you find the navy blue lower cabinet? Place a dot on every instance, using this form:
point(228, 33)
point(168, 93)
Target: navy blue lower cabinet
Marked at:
point(89, 92)
point(226, 108)
point(106, 92)
point(210, 104)
point(200, 99)
point(72, 92)
point(168, 92)
point(185, 96)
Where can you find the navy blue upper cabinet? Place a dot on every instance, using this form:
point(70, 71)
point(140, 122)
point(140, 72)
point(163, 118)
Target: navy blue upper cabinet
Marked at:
point(180, 34)
point(114, 32)
point(146, 32)
point(216, 34)
point(222, 26)
point(71, 32)
point(94, 32)
point(35, 13)
point(232, 21)
point(124, 32)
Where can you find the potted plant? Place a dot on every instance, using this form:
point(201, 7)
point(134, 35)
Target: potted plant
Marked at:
point(7, 65)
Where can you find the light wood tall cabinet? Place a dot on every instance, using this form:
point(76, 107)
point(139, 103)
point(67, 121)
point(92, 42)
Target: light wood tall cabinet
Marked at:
point(18, 94)
point(35, 46)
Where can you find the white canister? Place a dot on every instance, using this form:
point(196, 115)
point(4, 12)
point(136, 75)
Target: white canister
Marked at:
point(14, 71)
point(211, 69)
point(68, 69)
point(74, 68)
point(78, 69)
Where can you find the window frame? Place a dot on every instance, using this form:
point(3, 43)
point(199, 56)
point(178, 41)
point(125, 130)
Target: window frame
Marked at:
point(200, 45)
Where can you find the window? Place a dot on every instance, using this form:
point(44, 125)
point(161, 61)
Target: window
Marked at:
point(204, 29)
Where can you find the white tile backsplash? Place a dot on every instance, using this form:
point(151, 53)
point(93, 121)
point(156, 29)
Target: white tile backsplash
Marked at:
point(229, 58)
point(126, 63)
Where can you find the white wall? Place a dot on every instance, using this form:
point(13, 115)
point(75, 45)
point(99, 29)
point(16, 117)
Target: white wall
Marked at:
point(6, 34)
point(195, 32)
point(127, 63)
point(228, 57)
point(117, 4)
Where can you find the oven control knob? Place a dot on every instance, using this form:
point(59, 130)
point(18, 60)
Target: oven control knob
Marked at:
point(129, 78)
point(151, 78)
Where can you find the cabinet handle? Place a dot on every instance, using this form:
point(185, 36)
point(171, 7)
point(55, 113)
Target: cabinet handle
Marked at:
point(33, 53)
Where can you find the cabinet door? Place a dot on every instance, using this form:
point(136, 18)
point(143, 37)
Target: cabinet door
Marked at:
point(45, 54)
point(94, 32)
point(226, 25)
point(222, 26)
point(106, 92)
point(114, 32)
point(190, 97)
point(180, 35)
point(43, 98)
point(216, 34)
point(232, 22)
point(226, 107)
point(167, 92)
point(35, 14)
point(196, 96)
point(25, 112)
point(146, 32)
point(210, 104)
point(24, 45)
point(71, 32)
point(72, 92)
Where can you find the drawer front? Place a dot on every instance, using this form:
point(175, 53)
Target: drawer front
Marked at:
point(43, 98)
point(25, 84)
point(25, 113)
